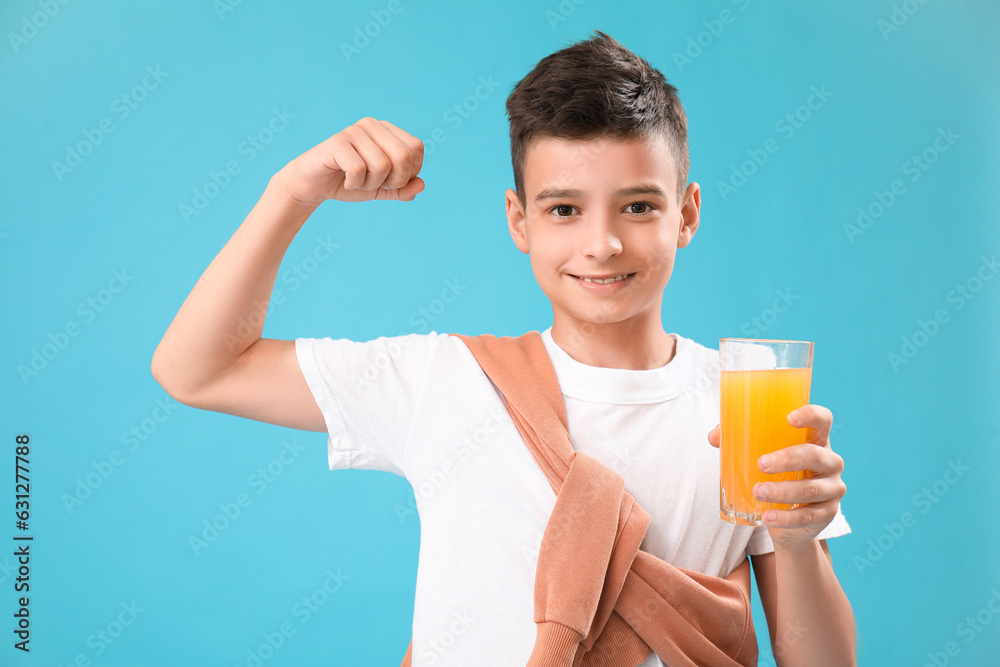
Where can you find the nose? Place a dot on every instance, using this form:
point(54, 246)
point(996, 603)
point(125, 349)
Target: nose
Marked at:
point(600, 239)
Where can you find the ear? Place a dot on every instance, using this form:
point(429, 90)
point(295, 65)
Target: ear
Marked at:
point(515, 221)
point(690, 214)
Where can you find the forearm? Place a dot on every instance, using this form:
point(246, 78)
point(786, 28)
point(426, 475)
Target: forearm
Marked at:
point(225, 311)
point(815, 623)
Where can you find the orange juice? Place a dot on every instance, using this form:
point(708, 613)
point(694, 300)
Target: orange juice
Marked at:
point(754, 411)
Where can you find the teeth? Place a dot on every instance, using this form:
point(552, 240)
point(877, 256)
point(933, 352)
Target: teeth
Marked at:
point(605, 281)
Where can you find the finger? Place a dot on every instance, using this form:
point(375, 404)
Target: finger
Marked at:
point(807, 456)
point(399, 154)
point(413, 144)
point(407, 192)
point(801, 491)
point(811, 518)
point(337, 153)
point(714, 436)
point(377, 163)
point(816, 418)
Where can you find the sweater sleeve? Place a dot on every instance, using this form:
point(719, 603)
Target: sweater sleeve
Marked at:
point(368, 392)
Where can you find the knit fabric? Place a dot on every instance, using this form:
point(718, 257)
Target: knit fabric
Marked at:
point(600, 601)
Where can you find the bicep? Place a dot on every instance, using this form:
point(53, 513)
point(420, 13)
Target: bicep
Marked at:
point(265, 384)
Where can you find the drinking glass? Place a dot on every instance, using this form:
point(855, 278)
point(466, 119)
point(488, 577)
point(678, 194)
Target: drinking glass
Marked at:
point(760, 382)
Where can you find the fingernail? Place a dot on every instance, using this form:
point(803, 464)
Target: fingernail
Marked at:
point(770, 515)
point(765, 462)
point(762, 491)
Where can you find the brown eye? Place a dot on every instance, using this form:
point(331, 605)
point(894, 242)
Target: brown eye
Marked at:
point(568, 209)
point(638, 203)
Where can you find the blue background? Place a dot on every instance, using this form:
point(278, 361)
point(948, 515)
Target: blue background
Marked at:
point(859, 294)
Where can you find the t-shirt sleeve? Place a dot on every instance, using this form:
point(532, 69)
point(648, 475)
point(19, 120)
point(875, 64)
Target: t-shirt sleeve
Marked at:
point(368, 392)
point(760, 540)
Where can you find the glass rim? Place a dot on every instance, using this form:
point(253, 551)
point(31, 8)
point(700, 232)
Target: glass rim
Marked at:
point(767, 340)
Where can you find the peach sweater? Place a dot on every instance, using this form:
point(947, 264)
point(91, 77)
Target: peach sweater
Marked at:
point(600, 601)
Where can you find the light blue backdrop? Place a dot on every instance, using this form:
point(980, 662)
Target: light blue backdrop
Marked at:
point(97, 254)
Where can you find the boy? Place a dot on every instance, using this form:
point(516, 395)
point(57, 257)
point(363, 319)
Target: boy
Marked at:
point(600, 158)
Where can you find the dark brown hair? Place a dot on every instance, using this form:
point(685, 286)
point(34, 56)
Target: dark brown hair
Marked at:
point(595, 88)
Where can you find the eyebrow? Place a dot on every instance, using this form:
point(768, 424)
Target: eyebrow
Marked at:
point(641, 189)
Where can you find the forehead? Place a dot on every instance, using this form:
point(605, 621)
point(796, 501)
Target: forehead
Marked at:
point(553, 162)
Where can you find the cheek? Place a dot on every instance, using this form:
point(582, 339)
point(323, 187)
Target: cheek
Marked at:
point(660, 256)
point(542, 265)
point(665, 269)
point(547, 254)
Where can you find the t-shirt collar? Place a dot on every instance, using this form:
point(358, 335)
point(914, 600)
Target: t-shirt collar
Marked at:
point(620, 385)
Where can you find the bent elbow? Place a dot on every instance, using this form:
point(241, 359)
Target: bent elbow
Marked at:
point(161, 373)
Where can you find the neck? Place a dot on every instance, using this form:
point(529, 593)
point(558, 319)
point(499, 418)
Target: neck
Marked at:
point(634, 344)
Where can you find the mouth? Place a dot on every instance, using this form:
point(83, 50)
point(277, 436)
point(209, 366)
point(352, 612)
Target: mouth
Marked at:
point(604, 284)
point(604, 279)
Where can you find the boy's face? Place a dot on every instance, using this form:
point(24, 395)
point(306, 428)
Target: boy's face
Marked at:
point(602, 207)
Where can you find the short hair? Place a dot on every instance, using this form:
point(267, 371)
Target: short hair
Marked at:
point(591, 89)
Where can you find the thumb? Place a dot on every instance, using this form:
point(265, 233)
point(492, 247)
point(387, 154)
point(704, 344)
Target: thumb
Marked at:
point(713, 436)
point(406, 193)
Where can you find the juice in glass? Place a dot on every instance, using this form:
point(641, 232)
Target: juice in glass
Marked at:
point(754, 406)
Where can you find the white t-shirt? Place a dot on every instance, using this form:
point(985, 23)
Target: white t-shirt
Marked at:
point(420, 406)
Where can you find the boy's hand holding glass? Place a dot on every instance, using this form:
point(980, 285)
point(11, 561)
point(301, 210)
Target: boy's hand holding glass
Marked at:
point(819, 494)
point(776, 465)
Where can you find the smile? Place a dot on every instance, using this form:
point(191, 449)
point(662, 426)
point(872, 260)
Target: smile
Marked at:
point(605, 281)
point(608, 285)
